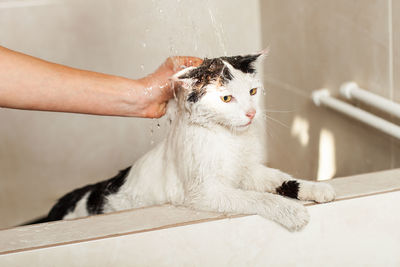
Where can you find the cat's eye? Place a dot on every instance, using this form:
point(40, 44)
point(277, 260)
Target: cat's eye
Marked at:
point(226, 98)
point(253, 91)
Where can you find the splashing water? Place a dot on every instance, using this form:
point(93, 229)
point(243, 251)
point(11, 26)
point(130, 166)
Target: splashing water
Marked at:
point(187, 38)
point(152, 134)
point(148, 91)
point(219, 31)
point(154, 126)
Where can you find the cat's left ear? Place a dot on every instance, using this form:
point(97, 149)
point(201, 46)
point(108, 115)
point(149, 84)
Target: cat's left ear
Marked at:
point(246, 63)
point(262, 54)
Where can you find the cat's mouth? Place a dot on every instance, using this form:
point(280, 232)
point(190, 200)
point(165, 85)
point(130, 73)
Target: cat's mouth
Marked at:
point(245, 125)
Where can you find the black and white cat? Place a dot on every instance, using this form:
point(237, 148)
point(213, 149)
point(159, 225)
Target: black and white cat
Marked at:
point(210, 159)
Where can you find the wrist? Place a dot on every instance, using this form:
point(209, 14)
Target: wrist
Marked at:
point(132, 102)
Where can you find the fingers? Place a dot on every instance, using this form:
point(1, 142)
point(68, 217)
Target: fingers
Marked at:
point(159, 111)
point(192, 61)
point(180, 62)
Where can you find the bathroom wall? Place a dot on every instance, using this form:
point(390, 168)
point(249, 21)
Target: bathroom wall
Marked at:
point(313, 44)
point(320, 44)
point(44, 155)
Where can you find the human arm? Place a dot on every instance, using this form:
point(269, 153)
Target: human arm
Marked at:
point(30, 83)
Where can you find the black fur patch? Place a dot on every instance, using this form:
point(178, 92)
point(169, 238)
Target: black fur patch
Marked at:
point(211, 70)
point(289, 189)
point(193, 97)
point(96, 199)
point(242, 63)
point(67, 203)
point(215, 70)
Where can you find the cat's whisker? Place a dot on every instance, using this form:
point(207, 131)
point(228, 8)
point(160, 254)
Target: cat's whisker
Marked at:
point(275, 120)
point(277, 111)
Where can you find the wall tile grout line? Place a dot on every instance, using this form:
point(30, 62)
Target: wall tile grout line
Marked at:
point(390, 73)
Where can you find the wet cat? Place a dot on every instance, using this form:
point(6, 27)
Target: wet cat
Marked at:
point(210, 159)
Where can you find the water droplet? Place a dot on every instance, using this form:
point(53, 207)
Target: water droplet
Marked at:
point(144, 45)
point(158, 125)
point(148, 91)
point(152, 142)
point(142, 67)
point(160, 10)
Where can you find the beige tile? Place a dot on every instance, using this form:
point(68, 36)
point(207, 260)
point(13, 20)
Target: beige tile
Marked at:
point(395, 152)
point(357, 147)
point(396, 74)
point(366, 184)
point(323, 43)
point(100, 226)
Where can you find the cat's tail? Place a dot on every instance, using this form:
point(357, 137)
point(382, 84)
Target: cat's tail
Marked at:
point(42, 219)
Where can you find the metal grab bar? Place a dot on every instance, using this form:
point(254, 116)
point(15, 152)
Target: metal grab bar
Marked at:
point(351, 90)
point(323, 97)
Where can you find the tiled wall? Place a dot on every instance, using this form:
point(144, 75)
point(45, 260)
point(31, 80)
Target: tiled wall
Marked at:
point(320, 44)
point(44, 155)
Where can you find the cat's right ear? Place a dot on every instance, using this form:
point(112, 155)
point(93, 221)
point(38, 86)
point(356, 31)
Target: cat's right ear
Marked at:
point(184, 77)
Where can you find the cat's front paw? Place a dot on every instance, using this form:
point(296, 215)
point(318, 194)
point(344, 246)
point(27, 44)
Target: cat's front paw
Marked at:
point(318, 192)
point(293, 216)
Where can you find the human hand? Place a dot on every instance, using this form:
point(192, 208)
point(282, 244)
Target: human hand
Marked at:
point(158, 88)
point(54, 87)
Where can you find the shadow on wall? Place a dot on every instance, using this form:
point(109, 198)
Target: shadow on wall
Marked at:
point(326, 153)
point(321, 44)
point(317, 143)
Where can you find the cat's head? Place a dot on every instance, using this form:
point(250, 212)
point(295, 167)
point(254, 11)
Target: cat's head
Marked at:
point(223, 91)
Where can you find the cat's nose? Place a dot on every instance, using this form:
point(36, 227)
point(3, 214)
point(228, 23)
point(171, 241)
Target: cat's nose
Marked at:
point(251, 113)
